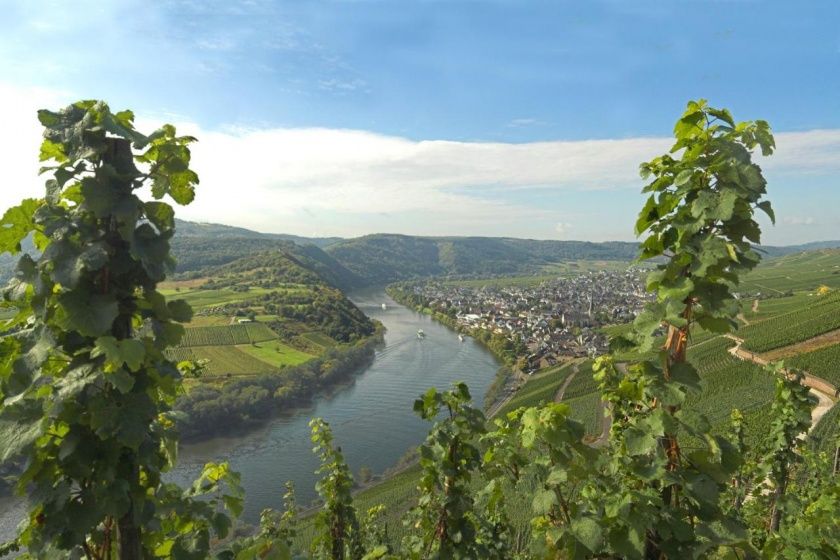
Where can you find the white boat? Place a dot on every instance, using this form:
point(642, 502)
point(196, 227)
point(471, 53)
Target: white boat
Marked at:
point(384, 307)
point(421, 334)
point(461, 337)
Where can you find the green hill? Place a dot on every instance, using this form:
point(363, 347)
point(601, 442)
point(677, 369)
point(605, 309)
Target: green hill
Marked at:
point(199, 256)
point(385, 258)
point(286, 290)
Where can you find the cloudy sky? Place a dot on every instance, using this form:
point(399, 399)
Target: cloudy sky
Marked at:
point(512, 118)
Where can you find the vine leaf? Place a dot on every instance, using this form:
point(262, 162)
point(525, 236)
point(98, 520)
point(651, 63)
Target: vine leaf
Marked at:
point(90, 315)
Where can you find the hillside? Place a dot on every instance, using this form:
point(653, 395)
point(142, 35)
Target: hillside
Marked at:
point(800, 327)
point(220, 231)
point(200, 256)
point(381, 258)
point(277, 288)
point(385, 258)
point(270, 333)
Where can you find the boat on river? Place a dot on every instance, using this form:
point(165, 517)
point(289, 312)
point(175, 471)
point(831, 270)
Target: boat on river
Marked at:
point(461, 337)
point(421, 334)
point(384, 307)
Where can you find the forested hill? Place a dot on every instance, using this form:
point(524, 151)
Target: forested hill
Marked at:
point(220, 231)
point(198, 256)
point(280, 284)
point(383, 258)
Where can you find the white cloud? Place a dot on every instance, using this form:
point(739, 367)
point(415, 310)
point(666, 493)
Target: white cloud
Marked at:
point(524, 122)
point(349, 182)
point(563, 228)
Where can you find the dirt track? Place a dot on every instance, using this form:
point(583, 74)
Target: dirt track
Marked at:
point(819, 388)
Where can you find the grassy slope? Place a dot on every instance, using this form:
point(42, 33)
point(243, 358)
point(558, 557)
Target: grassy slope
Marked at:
point(276, 353)
point(290, 301)
point(797, 272)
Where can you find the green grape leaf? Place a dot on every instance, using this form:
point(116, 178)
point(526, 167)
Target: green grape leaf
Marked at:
point(89, 314)
point(16, 224)
point(588, 532)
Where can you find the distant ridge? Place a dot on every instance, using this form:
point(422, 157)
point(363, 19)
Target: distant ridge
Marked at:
point(382, 258)
point(215, 231)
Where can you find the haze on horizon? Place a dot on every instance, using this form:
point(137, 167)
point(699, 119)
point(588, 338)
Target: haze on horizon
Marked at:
point(487, 118)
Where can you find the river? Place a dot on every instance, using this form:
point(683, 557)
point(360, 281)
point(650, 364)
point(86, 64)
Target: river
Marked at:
point(371, 417)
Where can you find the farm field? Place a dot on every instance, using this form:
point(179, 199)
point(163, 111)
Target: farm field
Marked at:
point(820, 315)
point(767, 308)
point(319, 339)
point(276, 353)
point(586, 410)
point(239, 349)
point(798, 272)
point(824, 437)
point(247, 333)
point(223, 360)
point(200, 298)
point(728, 383)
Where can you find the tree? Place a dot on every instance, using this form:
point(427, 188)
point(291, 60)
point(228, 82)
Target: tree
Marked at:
point(85, 386)
point(700, 218)
point(338, 533)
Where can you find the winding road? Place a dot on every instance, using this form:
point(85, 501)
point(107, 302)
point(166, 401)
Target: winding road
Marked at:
point(824, 391)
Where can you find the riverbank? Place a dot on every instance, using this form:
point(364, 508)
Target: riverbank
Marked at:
point(499, 345)
point(241, 405)
point(506, 378)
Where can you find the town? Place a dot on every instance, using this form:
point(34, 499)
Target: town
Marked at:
point(556, 319)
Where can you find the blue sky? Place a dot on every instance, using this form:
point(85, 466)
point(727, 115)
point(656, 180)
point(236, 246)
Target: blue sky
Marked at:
point(430, 117)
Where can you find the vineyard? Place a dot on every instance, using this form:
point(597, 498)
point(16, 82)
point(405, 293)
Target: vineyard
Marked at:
point(728, 383)
point(248, 333)
point(200, 298)
point(223, 360)
point(823, 363)
point(540, 388)
point(581, 394)
point(825, 434)
point(798, 272)
point(821, 315)
point(771, 307)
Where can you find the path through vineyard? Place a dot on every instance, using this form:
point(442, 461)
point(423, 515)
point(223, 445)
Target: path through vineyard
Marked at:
point(820, 388)
point(605, 419)
point(562, 390)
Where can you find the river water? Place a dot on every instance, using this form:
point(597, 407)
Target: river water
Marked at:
point(371, 417)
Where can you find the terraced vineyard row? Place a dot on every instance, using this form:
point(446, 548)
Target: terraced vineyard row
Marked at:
point(730, 383)
point(820, 316)
point(540, 388)
point(823, 363)
point(247, 333)
point(825, 434)
point(223, 360)
point(582, 384)
point(586, 410)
